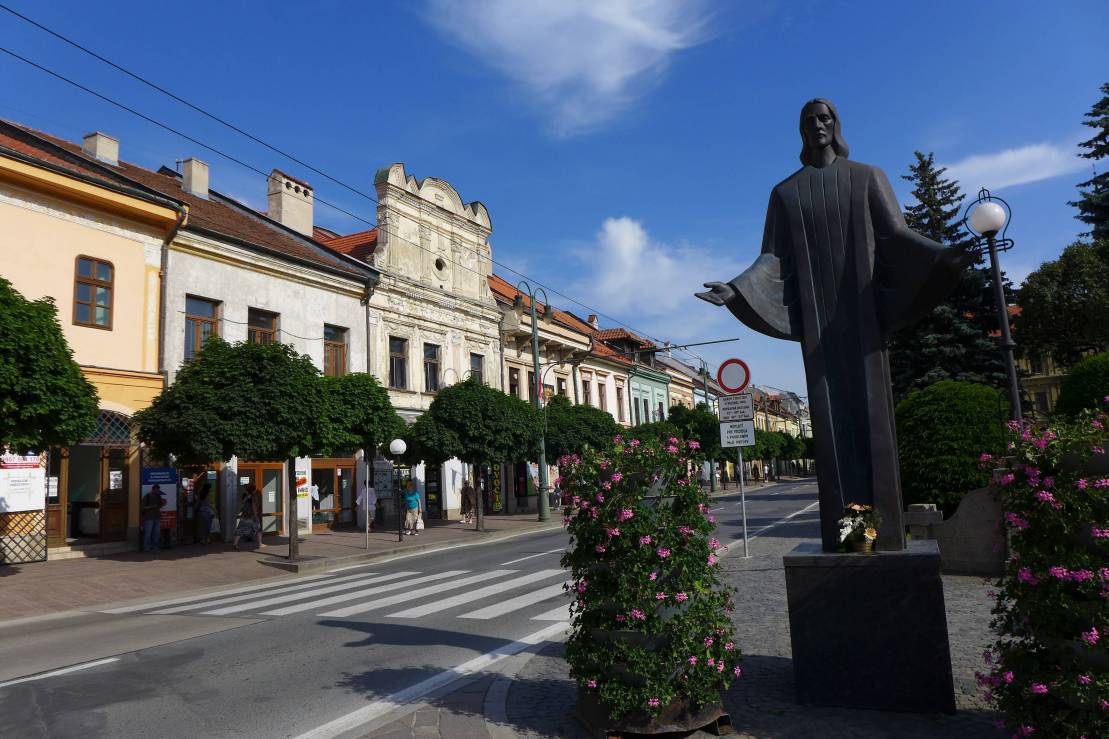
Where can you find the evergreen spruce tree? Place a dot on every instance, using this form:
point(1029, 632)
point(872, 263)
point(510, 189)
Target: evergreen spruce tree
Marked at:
point(953, 342)
point(1093, 204)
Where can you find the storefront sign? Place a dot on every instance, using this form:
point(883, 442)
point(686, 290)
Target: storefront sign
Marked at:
point(304, 487)
point(497, 503)
point(22, 483)
point(166, 480)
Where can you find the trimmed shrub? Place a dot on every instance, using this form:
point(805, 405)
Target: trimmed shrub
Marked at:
point(1085, 386)
point(941, 431)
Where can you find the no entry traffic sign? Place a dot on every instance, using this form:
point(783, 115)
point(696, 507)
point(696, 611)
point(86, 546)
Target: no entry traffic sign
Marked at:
point(733, 375)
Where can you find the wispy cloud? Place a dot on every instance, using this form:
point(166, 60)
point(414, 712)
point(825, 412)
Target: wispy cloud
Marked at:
point(580, 62)
point(1015, 166)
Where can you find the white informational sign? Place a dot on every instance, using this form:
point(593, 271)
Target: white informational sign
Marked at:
point(737, 433)
point(166, 479)
point(739, 407)
point(304, 487)
point(115, 479)
point(733, 375)
point(22, 484)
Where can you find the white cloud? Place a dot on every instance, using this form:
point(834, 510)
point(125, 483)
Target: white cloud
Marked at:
point(1015, 166)
point(580, 62)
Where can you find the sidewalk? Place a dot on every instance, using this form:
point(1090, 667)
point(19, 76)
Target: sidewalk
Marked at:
point(72, 584)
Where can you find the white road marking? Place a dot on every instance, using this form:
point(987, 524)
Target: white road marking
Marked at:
point(562, 613)
point(419, 593)
point(379, 708)
point(470, 597)
point(206, 603)
point(530, 556)
point(63, 671)
point(358, 594)
point(779, 522)
point(256, 604)
point(216, 594)
point(515, 604)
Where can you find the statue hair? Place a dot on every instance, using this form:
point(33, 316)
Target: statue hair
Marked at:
point(839, 145)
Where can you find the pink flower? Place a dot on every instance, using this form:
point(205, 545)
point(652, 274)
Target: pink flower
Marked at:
point(1084, 679)
point(711, 662)
point(1092, 636)
point(1099, 533)
point(614, 532)
point(582, 586)
point(712, 559)
point(633, 443)
point(653, 576)
point(653, 702)
point(1039, 688)
point(672, 449)
point(1025, 576)
point(708, 641)
point(1016, 521)
point(566, 521)
point(625, 514)
point(692, 660)
point(1059, 573)
point(985, 457)
point(685, 530)
point(702, 507)
point(720, 666)
point(681, 597)
point(599, 549)
point(662, 552)
point(1081, 483)
point(1045, 497)
point(617, 476)
point(697, 444)
point(620, 618)
point(737, 671)
point(729, 646)
point(660, 596)
point(1026, 731)
point(1007, 479)
point(606, 486)
point(712, 518)
point(644, 540)
point(1007, 676)
point(638, 615)
point(591, 684)
point(1102, 483)
point(1081, 576)
point(600, 497)
point(714, 543)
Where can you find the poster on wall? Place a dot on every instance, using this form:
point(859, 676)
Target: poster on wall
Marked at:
point(22, 483)
point(166, 480)
point(304, 487)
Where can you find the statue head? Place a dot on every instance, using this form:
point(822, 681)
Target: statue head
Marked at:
point(820, 128)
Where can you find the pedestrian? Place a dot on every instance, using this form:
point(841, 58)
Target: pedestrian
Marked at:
point(204, 516)
point(412, 504)
point(368, 501)
point(766, 471)
point(250, 518)
point(152, 504)
point(469, 502)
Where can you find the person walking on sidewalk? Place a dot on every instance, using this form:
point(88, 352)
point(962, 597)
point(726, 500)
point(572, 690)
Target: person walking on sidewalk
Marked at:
point(250, 517)
point(413, 509)
point(152, 504)
point(368, 502)
point(469, 502)
point(204, 516)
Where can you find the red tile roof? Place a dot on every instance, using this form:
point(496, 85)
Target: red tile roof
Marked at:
point(217, 214)
point(360, 245)
point(609, 334)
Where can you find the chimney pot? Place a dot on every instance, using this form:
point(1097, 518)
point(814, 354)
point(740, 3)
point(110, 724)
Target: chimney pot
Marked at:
point(593, 321)
point(195, 179)
point(101, 146)
point(289, 202)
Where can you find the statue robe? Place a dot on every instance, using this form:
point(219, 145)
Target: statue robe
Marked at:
point(839, 271)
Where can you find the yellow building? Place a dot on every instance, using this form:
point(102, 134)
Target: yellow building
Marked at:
point(94, 243)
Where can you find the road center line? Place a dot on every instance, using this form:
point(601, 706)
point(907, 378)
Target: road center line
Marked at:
point(62, 671)
point(530, 556)
point(392, 702)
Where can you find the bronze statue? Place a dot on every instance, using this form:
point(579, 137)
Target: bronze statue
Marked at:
point(839, 271)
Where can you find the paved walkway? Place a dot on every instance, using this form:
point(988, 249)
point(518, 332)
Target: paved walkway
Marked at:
point(45, 587)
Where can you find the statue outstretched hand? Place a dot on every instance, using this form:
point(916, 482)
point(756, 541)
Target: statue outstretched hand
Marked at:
point(719, 293)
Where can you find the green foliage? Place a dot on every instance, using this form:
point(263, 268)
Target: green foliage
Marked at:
point(571, 428)
point(477, 424)
point(650, 622)
point(768, 445)
point(1085, 386)
point(45, 399)
point(658, 431)
point(1064, 304)
point(940, 432)
point(357, 415)
point(257, 401)
point(700, 424)
point(1046, 671)
point(953, 342)
point(1093, 202)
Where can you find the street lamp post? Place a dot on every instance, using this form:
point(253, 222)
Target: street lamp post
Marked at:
point(397, 447)
point(985, 218)
point(525, 289)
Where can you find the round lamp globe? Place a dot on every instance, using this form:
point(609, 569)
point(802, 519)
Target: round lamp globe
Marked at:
point(987, 218)
point(397, 447)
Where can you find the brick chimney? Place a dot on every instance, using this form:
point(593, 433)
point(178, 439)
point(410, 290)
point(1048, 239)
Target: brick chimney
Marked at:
point(101, 146)
point(289, 202)
point(195, 181)
point(592, 321)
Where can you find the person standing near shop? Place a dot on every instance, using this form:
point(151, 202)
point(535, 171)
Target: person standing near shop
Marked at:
point(204, 516)
point(368, 502)
point(413, 509)
point(152, 504)
point(250, 517)
point(469, 502)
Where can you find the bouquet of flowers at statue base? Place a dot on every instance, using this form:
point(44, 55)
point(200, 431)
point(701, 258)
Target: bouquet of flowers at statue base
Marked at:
point(858, 529)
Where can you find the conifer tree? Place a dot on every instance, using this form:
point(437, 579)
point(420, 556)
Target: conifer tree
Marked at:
point(1093, 202)
point(954, 341)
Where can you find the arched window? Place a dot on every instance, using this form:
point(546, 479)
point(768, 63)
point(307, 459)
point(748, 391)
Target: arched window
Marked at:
point(112, 430)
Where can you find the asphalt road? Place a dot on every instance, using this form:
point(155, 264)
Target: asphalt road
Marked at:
point(326, 655)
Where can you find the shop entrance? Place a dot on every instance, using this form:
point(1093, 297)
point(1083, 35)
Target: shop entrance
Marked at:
point(433, 492)
point(334, 499)
point(267, 477)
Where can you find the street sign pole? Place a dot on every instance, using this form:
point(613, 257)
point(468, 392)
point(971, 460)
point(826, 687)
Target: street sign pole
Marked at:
point(743, 501)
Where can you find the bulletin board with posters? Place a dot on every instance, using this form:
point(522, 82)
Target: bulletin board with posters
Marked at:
point(22, 508)
point(166, 480)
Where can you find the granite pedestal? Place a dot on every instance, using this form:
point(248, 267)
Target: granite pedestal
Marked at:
point(870, 630)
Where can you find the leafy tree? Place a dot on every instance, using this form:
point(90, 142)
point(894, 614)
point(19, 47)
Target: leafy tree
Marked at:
point(478, 425)
point(45, 399)
point(1085, 386)
point(1093, 202)
point(701, 425)
point(953, 341)
point(941, 431)
point(256, 401)
point(357, 415)
point(794, 447)
point(1064, 304)
point(658, 431)
point(571, 428)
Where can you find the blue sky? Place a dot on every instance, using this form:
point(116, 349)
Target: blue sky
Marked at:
point(625, 150)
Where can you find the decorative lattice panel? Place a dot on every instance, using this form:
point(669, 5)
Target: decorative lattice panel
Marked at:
point(112, 430)
point(22, 537)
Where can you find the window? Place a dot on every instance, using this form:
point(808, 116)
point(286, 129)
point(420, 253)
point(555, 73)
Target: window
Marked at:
point(531, 386)
point(261, 327)
point(562, 386)
point(619, 404)
point(201, 321)
point(431, 368)
point(661, 412)
point(586, 392)
point(1037, 364)
point(635, 406)
point(92, 293)
point(1041, 403)
point(646, 410)
point(602, 400)
point(334, 351)
point(477, 367)
point(398, 363)
point(514, 382)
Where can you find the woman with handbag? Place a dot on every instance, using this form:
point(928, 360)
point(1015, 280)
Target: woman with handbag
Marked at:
point(250, 518)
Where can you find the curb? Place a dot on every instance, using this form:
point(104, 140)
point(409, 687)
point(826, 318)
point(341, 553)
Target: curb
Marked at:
point(317, 564)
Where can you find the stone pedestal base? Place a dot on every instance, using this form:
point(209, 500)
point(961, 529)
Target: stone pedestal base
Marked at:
point(870, 630)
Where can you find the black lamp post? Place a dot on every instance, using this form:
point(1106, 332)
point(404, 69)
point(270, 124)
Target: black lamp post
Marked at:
point(987, 219)
point(397, 447)
point(525, 289)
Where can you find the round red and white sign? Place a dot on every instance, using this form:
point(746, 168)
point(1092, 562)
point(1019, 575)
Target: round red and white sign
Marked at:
point(733, 376)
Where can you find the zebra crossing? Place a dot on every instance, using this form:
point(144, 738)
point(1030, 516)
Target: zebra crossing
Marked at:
point(407, 595)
